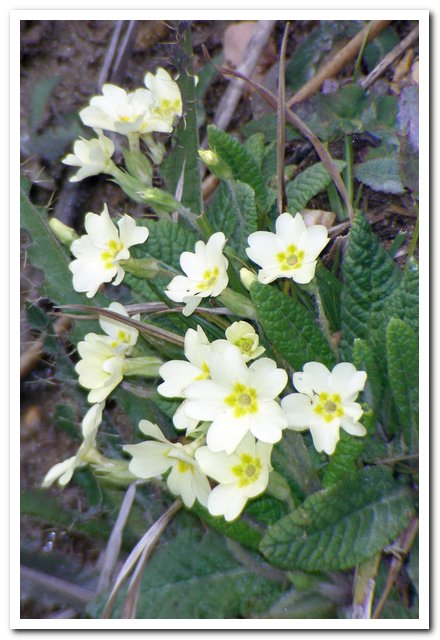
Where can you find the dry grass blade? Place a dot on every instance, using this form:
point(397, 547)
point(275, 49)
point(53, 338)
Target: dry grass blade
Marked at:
point(390, 58)
point(364, 585)
point(110, 556)
point(401, 548)
point(138, 556)
point(281, 125)
point(143, 327)
point(294, 120)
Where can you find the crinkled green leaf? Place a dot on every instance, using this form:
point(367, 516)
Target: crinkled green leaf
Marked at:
point(370, 276)
point(254, 145)
point(380, 174)
point(344, 460)
point(194, 576)
point(341, 526)
point(364, 359)
point(292, 330)
point(308, 184)
point(241, 163)
point(233, 211)
point(167, 240)
point(380, 46)
point(330, 291)
point(403, 371)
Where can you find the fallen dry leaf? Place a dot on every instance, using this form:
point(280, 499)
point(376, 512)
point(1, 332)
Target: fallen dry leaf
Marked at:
point(317, 216)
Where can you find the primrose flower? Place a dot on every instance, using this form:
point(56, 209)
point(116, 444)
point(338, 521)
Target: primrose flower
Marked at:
point(151, 459)
point(166, 95)
point(243, 335)
point(91, 156)
point(178, 374)
point(100, 369)
point(206, 271)
point(99, 251)
point(325, 403)
point(124, 336)
point(125, 113)
point(238, 399)
point(290, 252)
point(242, 475)
point(63, 471)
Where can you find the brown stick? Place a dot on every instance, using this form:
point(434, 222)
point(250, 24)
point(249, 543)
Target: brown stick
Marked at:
point(333, 66)
point(390, 57)
point(403, 547)
point(281, 125)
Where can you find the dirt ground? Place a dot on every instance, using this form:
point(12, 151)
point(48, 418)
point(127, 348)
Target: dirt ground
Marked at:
point(75, 52)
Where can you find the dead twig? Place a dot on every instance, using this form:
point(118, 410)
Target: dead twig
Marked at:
point(296, 121)
point(401, 549)
point(390, 58)
point(281, 125)
point(339, 60)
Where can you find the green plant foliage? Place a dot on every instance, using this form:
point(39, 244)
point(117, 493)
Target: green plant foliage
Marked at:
point(241, 163)
point(195, 576)
point(300, 605)
point(341, 526)
point(344, 461)
point(370, 277)
point(41, 93)
point(380, 174)
point(182, 163)
point(291, 329)
point(290, 457)
point(242, 530)
point(167, 240)
point(403, 369)
point(233, 211)
point(52, 259)
point(255, 147)
point(308, 184)
point(380, 46)
point(330, 288)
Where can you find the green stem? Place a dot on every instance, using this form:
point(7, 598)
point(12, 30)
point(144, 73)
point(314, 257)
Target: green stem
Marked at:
point(133, 142)
point(361, 53)
point(348, 171)
point(147, 366)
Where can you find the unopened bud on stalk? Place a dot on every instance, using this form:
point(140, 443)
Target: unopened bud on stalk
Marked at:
point(141, 267)
point(159, 200)
point(66, 235)
point(215, 164)
point(247, 278)
point(238, 304)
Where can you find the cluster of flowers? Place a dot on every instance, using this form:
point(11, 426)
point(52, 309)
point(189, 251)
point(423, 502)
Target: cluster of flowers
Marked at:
point(137, 115)
point(231, 409)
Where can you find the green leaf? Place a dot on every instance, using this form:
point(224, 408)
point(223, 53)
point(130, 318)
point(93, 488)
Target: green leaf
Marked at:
point(167, 240)
point(330, 291)
point(233, 211)
point(300, 605)
point(41, 92)
point(241, 163)
point(184, 157)
point(308, 184)
point(363, 358)
point(290, 457)
point(380, 46)
point(370, 277)
point(403, 369)
point(195, 576)
point(291, 329)
point(344, 461)
point(254, 145)
point(47, 254)
point(380, 174)
point(242, 530)
point(341, 526)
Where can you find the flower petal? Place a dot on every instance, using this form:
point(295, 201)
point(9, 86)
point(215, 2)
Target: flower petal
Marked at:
point(298, 409)
point(352, 427)
point(226, 500)
point(325, 437)
point(149, 458)
point(314, 378)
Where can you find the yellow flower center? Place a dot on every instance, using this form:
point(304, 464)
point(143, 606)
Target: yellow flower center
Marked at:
point(243, 400)
point(245, 345)
point(108, 256)
point(206, 373)
point(183, 467)
point(123, 336)
point(290, 259)
point(329, 406)
point(248, 471)
point(209, 279)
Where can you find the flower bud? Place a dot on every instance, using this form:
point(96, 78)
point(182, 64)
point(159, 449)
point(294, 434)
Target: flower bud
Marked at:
point(147, 366)
point(215, 164)
point(139, 166)
point(141, 267)
point(66, 235)
point(238, 304)
point(247, 278)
